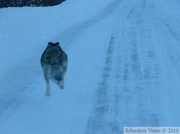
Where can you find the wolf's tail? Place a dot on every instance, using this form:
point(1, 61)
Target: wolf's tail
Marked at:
point(56, 72)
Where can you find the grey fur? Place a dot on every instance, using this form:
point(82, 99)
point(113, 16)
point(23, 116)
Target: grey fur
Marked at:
point(54, 64)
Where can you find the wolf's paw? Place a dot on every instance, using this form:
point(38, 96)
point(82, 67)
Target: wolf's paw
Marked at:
point(61, 86)
point(47, 94)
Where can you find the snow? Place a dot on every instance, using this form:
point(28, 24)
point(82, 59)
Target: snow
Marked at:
point(123, 67)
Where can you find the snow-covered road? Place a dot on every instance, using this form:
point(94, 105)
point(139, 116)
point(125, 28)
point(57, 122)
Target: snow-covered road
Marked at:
point(123, 71)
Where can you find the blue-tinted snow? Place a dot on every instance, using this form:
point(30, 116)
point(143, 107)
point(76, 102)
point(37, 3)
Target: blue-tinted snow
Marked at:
point(123, 67)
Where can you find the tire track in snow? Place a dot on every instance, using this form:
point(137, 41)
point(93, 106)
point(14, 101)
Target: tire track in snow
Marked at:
point(135, 89)
point(168, 46)
point(137, 69)
point(97, 122)
point(143, 66)
point(129, 91)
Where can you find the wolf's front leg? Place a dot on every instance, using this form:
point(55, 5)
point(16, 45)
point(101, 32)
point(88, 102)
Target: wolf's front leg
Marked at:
point(48, 93)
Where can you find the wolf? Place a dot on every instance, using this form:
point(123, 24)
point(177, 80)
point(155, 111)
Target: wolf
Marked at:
point(54, 65)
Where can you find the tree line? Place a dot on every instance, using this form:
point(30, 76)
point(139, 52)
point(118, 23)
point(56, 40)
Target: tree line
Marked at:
point(22, 3)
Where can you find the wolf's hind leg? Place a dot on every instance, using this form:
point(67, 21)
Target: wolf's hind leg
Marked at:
point(47, 84)
point(61, 83)
point(48, 93)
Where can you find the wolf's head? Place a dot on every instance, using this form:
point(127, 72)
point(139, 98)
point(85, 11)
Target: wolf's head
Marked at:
point(50, 44)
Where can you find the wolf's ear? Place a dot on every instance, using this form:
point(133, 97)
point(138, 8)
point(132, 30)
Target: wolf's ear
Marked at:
point(50, 43)
point(57, 43)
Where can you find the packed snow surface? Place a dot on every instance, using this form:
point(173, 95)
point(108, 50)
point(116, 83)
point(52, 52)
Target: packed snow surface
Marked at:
point(123, 67)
